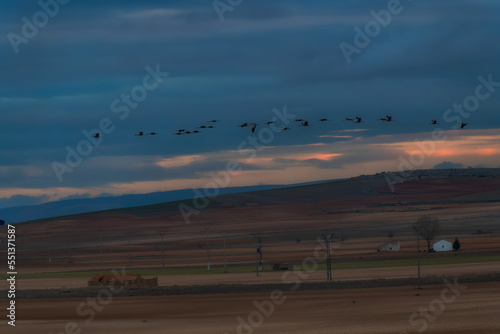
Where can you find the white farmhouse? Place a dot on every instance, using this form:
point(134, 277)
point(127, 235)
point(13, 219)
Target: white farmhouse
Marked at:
point(442, 246)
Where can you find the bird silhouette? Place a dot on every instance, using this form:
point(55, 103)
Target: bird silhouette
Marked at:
point(140, 133)
point(434, 121)
point(153, 133)
point(284, 128)
point(299, 120)
point(387, 118)
point(244, 125)
point(463, 125)
point(270, 122)
point(323, 120)
point(305, 123)
point(96, 135)
point(254, 125)
point(358, 120)
point(213, 121)
point(349, 119)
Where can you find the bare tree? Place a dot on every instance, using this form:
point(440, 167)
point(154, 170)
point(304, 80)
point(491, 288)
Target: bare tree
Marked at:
point(427, 228)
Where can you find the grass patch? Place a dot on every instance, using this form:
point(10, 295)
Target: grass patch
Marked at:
point(410, 262)
point(250, 269)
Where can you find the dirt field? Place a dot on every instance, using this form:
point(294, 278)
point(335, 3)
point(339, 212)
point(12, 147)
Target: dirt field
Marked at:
point(471, 308)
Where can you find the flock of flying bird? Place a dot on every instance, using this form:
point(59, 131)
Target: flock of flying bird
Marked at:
point(253, 126)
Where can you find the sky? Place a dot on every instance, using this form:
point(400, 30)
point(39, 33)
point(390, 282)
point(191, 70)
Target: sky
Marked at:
point(71, 69)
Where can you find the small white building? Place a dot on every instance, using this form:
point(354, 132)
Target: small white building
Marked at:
point(391, 246)
point(442, 246)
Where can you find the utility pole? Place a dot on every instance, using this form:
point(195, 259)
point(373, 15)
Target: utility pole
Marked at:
point(100, 242)
point(328, 239)
point(129, 254)
point(259, 261)
point(50, 251)
point(417, 229)
point(224, 235)
point(208, 248)
point(162, 249)
point(69, 248)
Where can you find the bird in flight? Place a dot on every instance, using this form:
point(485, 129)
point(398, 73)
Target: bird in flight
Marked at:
point(284, 128)
point(386, 119)
point(254, 125)
point(96, 135)
point(434, 121)
point(305, 123)
point(213, 121)
point(357, 119)
point(244, 125)
point(323, 120)
point(141, 133)
point(463, 125)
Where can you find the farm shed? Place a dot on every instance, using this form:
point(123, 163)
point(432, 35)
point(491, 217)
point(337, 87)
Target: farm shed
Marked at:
point(442, 246)
point(391, 246)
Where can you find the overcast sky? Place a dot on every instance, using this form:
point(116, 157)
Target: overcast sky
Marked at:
point(101, 67)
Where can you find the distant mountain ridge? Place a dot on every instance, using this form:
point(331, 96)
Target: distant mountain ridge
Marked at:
point(336, 192)
point(78, 206)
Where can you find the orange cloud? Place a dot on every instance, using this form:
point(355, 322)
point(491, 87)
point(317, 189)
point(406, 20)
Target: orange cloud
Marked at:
point(319, 156)
point(179, 161)
point(488, 151)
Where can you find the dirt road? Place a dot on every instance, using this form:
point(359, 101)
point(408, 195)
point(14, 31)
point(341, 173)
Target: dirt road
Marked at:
point(275, 277)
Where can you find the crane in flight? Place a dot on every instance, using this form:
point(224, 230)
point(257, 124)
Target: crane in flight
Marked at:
point(141, 133)
point(254, 125)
